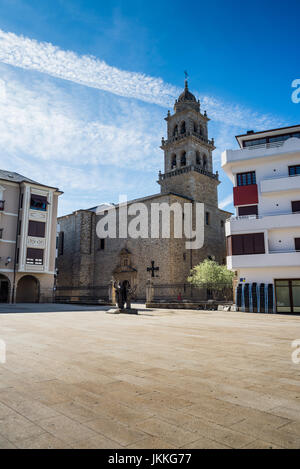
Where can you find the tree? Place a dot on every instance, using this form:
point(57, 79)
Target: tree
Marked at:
point(211, 275)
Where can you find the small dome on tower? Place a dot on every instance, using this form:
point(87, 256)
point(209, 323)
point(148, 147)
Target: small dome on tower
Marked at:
point(186, 95)
point(186, 100)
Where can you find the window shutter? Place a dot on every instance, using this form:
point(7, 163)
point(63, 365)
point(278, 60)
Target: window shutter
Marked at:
point(35, 256)
point(248, 210)
point(259, 243)
point(237, 245)
point(36, 228)
point(248, 244)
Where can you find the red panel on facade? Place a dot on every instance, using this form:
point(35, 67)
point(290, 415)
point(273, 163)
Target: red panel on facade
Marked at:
point(245, 195)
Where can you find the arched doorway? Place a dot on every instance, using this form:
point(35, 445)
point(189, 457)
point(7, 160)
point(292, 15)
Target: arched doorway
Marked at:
point(28, 290)
point(4, 289)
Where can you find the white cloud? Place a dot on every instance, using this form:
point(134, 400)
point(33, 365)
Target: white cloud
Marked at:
point(226, 202)
point(38, 121)
point(26, 53)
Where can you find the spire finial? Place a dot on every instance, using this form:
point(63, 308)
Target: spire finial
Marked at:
point(186, 79)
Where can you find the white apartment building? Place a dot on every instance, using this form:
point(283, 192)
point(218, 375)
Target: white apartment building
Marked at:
point(263, 239)
point(28, 218)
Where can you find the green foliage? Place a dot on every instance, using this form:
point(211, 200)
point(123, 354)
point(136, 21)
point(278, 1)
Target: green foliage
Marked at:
point(211, 274)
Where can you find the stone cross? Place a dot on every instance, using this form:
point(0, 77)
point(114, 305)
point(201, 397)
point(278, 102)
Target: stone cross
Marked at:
point(152, 269)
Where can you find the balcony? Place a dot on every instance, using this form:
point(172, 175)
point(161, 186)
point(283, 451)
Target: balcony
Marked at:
point(286, 183)
point(187, 169)
point(245, 195)
point(251, 223)
point(272, 259)
point(267, 150)
point(178, 137)
point(2, 204)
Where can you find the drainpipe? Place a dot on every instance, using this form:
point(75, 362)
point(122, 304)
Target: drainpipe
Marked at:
point(16, 248)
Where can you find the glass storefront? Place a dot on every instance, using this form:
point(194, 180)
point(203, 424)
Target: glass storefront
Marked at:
point(287, 296)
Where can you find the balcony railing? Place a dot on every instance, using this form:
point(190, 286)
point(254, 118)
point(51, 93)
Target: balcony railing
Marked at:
point(187, 169)
point(265, 145)
point(2, 203)
point(176, 138)
point(259, 217)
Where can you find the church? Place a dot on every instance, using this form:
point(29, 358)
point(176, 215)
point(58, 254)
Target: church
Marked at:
point(87, 264)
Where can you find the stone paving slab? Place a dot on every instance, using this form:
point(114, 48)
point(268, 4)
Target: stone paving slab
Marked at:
point(77, 377)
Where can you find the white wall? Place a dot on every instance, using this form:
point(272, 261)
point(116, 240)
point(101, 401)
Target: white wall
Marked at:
point(286, 236)
point(268, 274)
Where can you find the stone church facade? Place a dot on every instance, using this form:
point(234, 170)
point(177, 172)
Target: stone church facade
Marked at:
point(87, 264)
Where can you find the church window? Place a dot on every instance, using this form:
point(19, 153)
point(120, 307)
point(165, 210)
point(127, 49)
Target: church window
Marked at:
point(195, 127)
point(174, 162)
point(183, 159)
point(183, 128)
point(204, 161)
point(198, 159)
point(201, 130)
point(175, 131)
point(207, 218)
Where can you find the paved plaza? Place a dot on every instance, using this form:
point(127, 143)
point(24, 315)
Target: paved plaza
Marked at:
point(83, 377)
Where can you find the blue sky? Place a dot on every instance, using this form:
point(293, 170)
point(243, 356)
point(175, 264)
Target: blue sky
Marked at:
point(85, 85)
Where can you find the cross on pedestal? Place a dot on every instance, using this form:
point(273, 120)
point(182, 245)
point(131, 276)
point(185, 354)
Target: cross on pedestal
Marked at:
point(152, 269)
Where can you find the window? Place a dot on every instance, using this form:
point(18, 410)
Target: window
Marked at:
point(204, 161)
point(1, 233)
point(246, 179)
point(38, 202)
point(248, 210)
point(296, 206)
point(183, 128)
point(195, 127)
point(222, 223)
point(258, 141)
point(2, 203)
point(207, 218)
point(174, 162)
point(36, 228)
point(238, 245)
point(183, 159)
point(101, 244)
point(198, 159)
point(175, 131)
point(34, 256)
point(297, 244)
point(274, 139)
point(294, 170)
point(287, 296)
point(61, 243)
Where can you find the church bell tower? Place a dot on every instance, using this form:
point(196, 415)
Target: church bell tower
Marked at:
point(188, 168)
